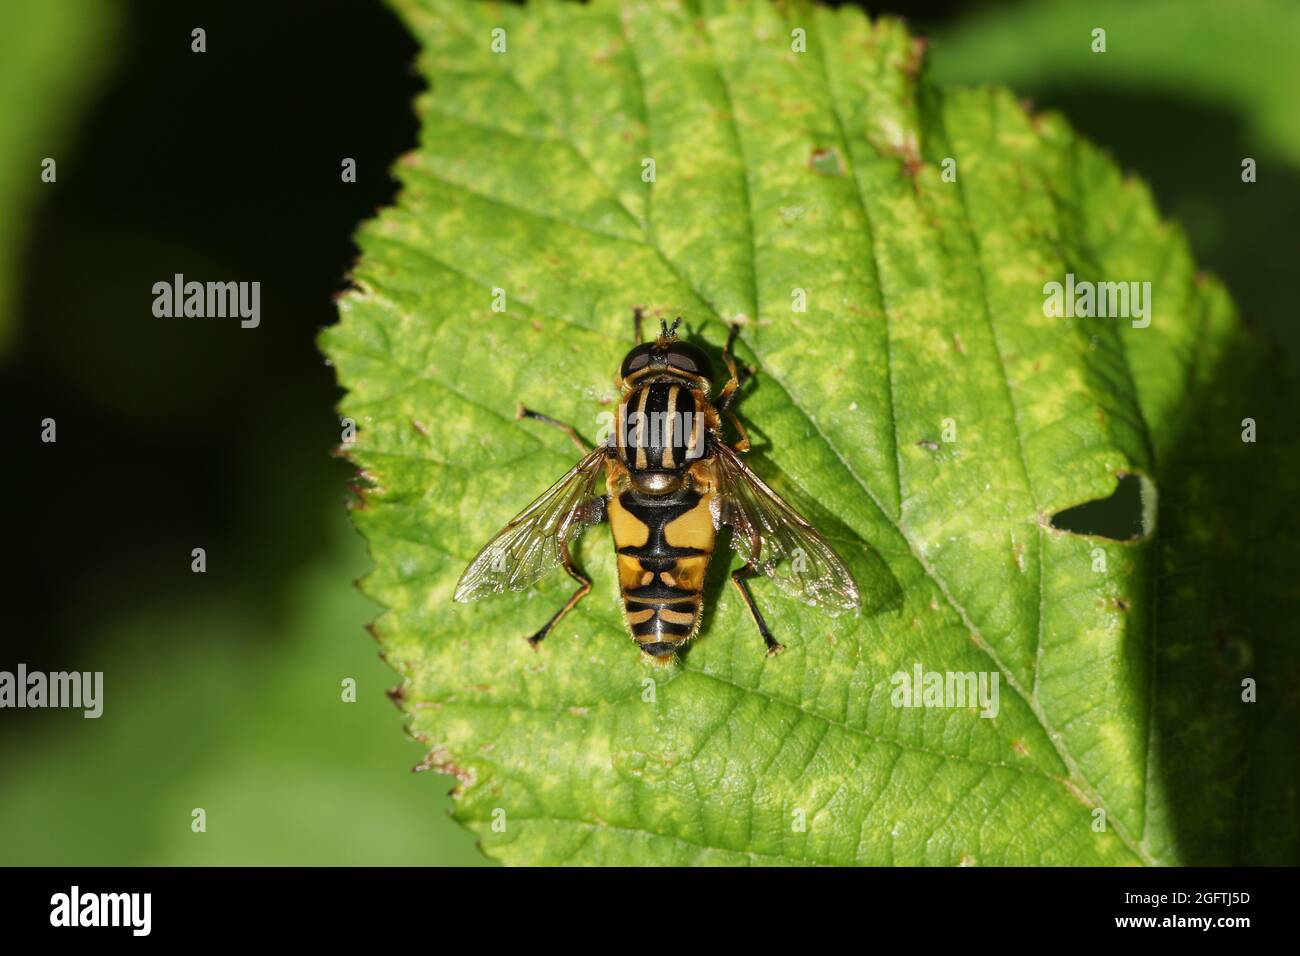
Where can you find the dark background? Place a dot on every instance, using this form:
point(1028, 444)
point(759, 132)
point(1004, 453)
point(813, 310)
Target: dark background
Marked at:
point(176, 434)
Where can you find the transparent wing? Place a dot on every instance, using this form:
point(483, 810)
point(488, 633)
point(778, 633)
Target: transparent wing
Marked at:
point(772, 536)
point(530, 546)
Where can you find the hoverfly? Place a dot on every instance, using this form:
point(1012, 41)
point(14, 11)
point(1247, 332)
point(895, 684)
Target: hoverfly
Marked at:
point(670, 482)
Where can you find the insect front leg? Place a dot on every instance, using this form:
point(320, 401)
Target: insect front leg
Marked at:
point(739, 375)
point(738, 577)
point(562, 426)
point(638, 316)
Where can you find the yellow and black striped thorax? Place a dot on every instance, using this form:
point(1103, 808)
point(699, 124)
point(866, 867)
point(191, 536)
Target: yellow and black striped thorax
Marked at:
point(661, 426)
point(664, 543)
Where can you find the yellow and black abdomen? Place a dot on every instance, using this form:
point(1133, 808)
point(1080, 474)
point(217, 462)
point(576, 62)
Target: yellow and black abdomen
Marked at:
point(664, 543)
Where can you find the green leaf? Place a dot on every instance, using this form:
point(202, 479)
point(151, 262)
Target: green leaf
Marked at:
point(1185, 91)
point(778, 170)
point(1244, 56)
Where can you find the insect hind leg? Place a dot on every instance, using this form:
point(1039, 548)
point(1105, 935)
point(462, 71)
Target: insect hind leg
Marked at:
point(584, 585)
point(738, 578)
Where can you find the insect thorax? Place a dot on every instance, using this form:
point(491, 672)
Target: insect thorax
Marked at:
point(661, 427)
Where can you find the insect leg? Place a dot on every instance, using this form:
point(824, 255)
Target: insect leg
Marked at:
point(743, 444)
point(584, 585)
point(566, 428)
point(637, 317)
point(739, 375)
point(738, 577)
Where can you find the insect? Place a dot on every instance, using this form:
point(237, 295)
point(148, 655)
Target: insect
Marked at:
point(670, 482)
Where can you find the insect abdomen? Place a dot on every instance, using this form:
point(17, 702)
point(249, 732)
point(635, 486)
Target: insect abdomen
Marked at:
point(664, 545)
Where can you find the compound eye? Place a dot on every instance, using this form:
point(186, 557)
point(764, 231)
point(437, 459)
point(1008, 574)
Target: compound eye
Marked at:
point(689, 359)
point(636, 360)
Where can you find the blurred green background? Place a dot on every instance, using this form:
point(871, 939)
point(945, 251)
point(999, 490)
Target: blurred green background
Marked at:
point(223, 690)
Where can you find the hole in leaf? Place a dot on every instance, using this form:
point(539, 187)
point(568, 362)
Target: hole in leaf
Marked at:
point(1127, 515)
point(826, 161)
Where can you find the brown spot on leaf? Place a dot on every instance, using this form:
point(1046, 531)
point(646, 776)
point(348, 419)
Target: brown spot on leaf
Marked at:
point(440, 760)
